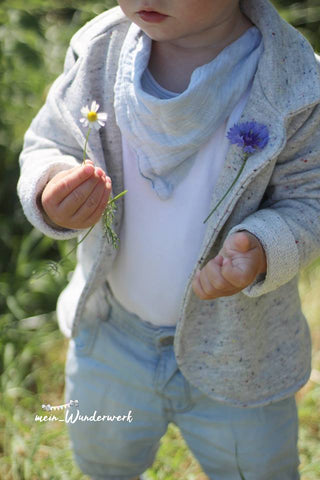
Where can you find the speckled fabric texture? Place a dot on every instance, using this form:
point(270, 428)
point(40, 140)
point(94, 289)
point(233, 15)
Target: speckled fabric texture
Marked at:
point(252, 348)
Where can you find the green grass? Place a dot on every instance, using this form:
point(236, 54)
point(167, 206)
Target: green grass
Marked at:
point(309, 396)
point(32, 350)
point(33, 373)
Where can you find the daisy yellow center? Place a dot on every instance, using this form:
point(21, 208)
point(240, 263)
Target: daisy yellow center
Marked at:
point(92, 116)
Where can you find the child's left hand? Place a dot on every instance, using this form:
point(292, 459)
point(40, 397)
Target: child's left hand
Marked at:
point(235, 267)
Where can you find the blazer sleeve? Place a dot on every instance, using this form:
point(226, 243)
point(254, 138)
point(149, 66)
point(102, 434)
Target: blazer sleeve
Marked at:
point(47, 150)
point(288, 222)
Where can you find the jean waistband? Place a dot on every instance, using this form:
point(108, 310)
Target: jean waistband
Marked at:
point(153, 335)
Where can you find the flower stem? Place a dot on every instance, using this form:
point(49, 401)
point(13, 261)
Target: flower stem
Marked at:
point(108, 218)
point(53, 266)
point(85, 146)
point(90, 229)
point(78, 243)
point(116, 198)
point(231, 186)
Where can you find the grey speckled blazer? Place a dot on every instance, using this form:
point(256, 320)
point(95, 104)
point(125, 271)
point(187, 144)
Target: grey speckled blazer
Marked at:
point(252, 348)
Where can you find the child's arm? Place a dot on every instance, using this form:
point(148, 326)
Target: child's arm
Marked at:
point(287, 223)
point(59, 196)
point(48, 150)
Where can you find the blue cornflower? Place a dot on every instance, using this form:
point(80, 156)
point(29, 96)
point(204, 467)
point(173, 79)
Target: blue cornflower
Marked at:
point(250, 136)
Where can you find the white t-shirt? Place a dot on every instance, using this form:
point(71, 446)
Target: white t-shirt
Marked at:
point(160, 240)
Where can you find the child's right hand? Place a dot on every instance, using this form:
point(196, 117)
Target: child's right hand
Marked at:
point(76, 198)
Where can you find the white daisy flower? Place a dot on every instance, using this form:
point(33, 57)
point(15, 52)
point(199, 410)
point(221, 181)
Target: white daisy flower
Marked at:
point(91, 117)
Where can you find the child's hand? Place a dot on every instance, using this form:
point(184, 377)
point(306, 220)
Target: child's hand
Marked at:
point(236, 266)
point(76, 198)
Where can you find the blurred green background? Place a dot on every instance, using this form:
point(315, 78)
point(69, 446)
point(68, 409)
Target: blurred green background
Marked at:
point(33, 38)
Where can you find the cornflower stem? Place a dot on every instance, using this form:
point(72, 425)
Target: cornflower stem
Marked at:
point(231, 186)
point(85, 146)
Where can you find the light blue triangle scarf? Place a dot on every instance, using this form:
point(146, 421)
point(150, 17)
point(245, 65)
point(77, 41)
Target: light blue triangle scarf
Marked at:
point(166, 134)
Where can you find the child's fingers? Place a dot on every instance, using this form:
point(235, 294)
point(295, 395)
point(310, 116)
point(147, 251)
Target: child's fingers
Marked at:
point(65, 182)
point(97, 170)
point(232, 270)
point(66, 213)
point(209, 283)
point(244, 258)
point(237, 242)
point(96, 215)
point(218, 260)
point(90, 211)
point(239, 271)
point(241, 241)
point(71, 204)
point(213, 273)
point(198, 288)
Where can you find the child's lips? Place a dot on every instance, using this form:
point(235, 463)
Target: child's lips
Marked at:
point(151, 16)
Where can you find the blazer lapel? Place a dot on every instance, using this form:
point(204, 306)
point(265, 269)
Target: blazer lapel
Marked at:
point(261, 112)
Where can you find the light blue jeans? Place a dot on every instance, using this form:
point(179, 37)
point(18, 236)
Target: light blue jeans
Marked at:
point(124, 367)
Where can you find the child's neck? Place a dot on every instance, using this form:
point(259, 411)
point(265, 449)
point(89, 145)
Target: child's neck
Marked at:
point(172, 63)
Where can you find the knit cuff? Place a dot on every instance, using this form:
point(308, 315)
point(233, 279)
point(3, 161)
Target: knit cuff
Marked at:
point(280, 248)
point(30, 187)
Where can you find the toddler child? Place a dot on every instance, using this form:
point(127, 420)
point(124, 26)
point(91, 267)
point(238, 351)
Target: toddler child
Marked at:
point(213, 112)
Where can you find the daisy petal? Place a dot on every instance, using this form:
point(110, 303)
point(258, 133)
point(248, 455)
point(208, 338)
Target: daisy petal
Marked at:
point(95, 106)
point(102, 116)
point(85, 110)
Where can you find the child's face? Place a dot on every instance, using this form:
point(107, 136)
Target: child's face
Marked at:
point(190, 21)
